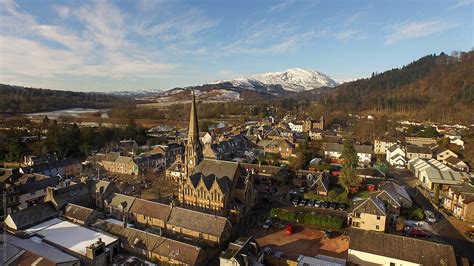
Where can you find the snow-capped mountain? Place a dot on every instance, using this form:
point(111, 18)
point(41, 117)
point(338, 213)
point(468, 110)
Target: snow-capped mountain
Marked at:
point(294, 79)
point(291, 81)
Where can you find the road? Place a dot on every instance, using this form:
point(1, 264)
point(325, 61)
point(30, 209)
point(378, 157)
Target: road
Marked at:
point(446, 232)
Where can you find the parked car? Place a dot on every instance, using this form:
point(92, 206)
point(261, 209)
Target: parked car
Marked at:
point(267, 224)
point(416, 232)
point(278, 254)
point(267, 250)
point(303, 202)
point(310, 203)
point(430, 217)
point(295, 202)
point(328, 234)
point(325, 205)
point(342, 207)
point(332, 205)
point(302, 189)
point(289, 229)
point(317, 203)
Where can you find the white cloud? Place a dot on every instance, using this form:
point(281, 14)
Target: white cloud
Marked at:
point(100, 50)
point(348, 34)
point(62, 11)
point(417, 29)
point(462, 3)
point(282, 5)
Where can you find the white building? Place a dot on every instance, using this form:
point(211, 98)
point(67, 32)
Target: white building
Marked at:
point(297, 127)
point(396, 156)
point(380, 146)
point(334, 151)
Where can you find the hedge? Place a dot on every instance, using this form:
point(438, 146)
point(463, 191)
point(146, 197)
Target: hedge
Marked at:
point(321, 220)
point(333, 196)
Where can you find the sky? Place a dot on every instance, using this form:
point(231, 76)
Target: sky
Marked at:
point(118, 45)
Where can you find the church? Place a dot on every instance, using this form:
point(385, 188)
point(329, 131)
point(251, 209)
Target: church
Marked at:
point(219, 187)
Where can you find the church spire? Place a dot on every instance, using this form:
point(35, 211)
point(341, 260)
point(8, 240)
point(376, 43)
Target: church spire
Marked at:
point(193, 147)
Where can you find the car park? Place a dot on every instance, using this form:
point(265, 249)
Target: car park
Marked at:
point(332, 205)
point(325, 205)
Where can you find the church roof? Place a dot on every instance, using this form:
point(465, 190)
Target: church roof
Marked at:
point(217, 168)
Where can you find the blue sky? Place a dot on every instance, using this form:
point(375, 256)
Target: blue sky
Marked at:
point(147, 44)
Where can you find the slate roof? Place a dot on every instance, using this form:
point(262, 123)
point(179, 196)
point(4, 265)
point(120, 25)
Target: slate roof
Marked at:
point(404, 248)
point(73, 193)
point(117, 200)
point(198, 221)
point(33, 215)
point(152, 209)
point(80, 213)
point(241, 248)
point(371, 205)
point(418, 149)
point(182, 252)
point(370, 172)
point(217, 168)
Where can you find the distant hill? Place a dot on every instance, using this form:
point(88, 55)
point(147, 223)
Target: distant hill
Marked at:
point(435, 87)
point(18, 100)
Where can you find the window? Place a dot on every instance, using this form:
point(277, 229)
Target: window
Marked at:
point(377, 227)
point(378, 217)
point(392, 264)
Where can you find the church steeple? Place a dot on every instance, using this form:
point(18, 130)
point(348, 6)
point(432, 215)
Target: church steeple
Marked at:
point(193, 147)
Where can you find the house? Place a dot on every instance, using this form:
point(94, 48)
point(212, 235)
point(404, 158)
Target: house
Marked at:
point(207, 228)
point(414, 151)
point(431, 172)
point(244, 251)
point(77, 193)
point(445, 153)
point(396, 156)
point(119, 206)
point(226, 149)
point(51, 166)
point(149, 213)
point(170, 151)
point(460, 201)
point(369, 214)
point(154, 247)
point(102, 190)
point(381, 146)
point(296, 126)
point(321, 185)
point(280, 146)
point(268, 174)
point(116, 163)
point(32, 188)
point(26, 218)
point(398, 192)
point(80, 215)
point(334, 151)
point(377, 248)
point(456, 164)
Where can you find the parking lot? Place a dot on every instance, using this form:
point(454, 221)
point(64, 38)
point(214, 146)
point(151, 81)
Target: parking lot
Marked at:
point(303, 241)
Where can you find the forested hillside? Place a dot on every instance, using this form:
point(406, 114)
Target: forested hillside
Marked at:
point(435, 87)
point(17, 100)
